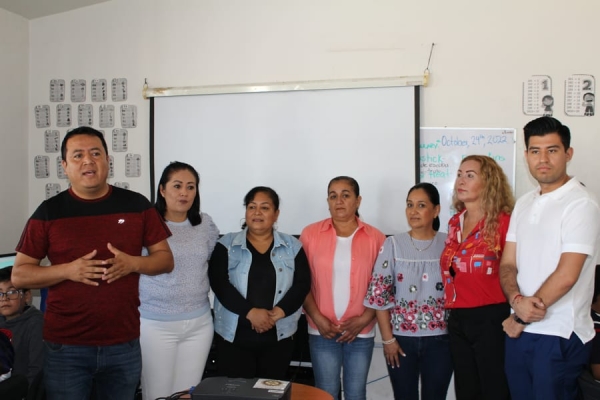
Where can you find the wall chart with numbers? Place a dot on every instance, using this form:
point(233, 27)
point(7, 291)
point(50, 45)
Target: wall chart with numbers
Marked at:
point(537, 96)
point(76, 107)
point(580, 95)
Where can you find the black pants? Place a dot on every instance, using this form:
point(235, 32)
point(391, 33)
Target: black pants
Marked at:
point(477, 346)
point(264, 360)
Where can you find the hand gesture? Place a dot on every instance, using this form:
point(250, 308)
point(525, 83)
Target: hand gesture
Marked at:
point(512, 328)
point(86, 269)
point(260, 319)
point(121, 264)
point(326, 328)
point(276, 314)
point(530, 308)
point(391, 352)
point(351, 328)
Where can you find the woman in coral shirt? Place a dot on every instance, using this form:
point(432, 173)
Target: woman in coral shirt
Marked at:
point(341, 251)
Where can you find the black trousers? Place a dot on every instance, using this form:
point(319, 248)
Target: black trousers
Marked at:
point(477, 347)
point(264, 360)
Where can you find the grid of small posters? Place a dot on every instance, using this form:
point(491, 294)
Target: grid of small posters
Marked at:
point(57, 121)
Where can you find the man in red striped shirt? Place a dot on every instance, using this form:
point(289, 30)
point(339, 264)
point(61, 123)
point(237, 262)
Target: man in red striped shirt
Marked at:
point(93, 234)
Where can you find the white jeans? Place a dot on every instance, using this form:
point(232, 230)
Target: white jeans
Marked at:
point(174, 354)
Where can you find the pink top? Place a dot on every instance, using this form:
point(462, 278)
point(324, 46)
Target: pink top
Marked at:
point(319, 241)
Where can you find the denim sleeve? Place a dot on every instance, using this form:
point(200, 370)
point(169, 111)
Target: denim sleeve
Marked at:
point(218, 274)
point(295, 296)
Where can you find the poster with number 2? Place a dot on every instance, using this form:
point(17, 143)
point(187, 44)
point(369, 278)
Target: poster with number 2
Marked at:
point(580, 95)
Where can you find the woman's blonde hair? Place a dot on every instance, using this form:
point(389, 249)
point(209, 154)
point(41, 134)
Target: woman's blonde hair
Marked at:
point(496, 197)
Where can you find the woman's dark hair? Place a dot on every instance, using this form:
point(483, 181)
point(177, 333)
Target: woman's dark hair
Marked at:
point(434, 198)
point(193, 213)
point(351, 181)
point(261, 189)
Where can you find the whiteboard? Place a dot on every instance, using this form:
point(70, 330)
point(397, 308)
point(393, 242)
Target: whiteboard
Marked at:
point(442, 150)
point(294, 142)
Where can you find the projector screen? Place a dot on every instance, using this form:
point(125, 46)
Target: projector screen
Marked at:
point(294, 142)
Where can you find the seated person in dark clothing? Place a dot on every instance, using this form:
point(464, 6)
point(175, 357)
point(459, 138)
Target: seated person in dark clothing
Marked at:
point(595, 356)
point(12, 386)
point(589, 380)
point(26, 323)
point(260, 278)
point(7, 354)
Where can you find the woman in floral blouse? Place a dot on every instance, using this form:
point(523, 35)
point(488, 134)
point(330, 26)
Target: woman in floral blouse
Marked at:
point(407, 292)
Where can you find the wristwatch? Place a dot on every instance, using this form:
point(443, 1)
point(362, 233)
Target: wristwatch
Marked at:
point(519, 320)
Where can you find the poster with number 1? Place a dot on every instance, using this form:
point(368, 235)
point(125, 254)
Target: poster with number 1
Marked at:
point(537, 96)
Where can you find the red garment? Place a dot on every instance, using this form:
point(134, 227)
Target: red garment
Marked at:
point(477, 281)
point(66, 227)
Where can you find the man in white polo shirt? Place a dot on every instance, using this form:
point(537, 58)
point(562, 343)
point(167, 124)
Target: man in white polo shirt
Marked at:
point(547, 271)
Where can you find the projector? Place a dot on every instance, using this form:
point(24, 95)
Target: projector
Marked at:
point(222, 388)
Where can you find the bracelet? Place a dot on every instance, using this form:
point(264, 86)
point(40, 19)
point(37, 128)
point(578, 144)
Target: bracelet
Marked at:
point(392, 340)
point(519, 320)
point(517, 296)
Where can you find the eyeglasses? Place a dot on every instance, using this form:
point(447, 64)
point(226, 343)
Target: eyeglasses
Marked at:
point(10, 295)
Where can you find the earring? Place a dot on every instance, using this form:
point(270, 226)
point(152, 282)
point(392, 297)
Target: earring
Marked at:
point(243, 223)
point(275, 226)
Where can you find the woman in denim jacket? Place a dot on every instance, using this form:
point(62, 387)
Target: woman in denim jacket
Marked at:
point(260, 278)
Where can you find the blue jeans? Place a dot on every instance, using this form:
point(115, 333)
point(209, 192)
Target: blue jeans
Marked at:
point(545, 367)
point(428, 357)
point(113, 371)
point(328, 357)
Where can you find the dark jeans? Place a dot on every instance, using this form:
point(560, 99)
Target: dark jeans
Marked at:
point(428, 357)
point(114, 371)
point(545, 367)
point(477, 345)
point(265, 360)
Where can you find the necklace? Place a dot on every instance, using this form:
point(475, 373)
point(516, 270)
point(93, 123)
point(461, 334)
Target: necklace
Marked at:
point(418, 249)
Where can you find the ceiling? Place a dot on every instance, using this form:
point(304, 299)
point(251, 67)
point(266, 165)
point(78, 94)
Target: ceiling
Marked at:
point(32, 9)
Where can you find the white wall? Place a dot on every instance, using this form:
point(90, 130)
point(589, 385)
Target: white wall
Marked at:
point(14, 158)
point(484, 51)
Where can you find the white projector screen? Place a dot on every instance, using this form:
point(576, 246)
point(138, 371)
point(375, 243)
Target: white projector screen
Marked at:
point(293, 142)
